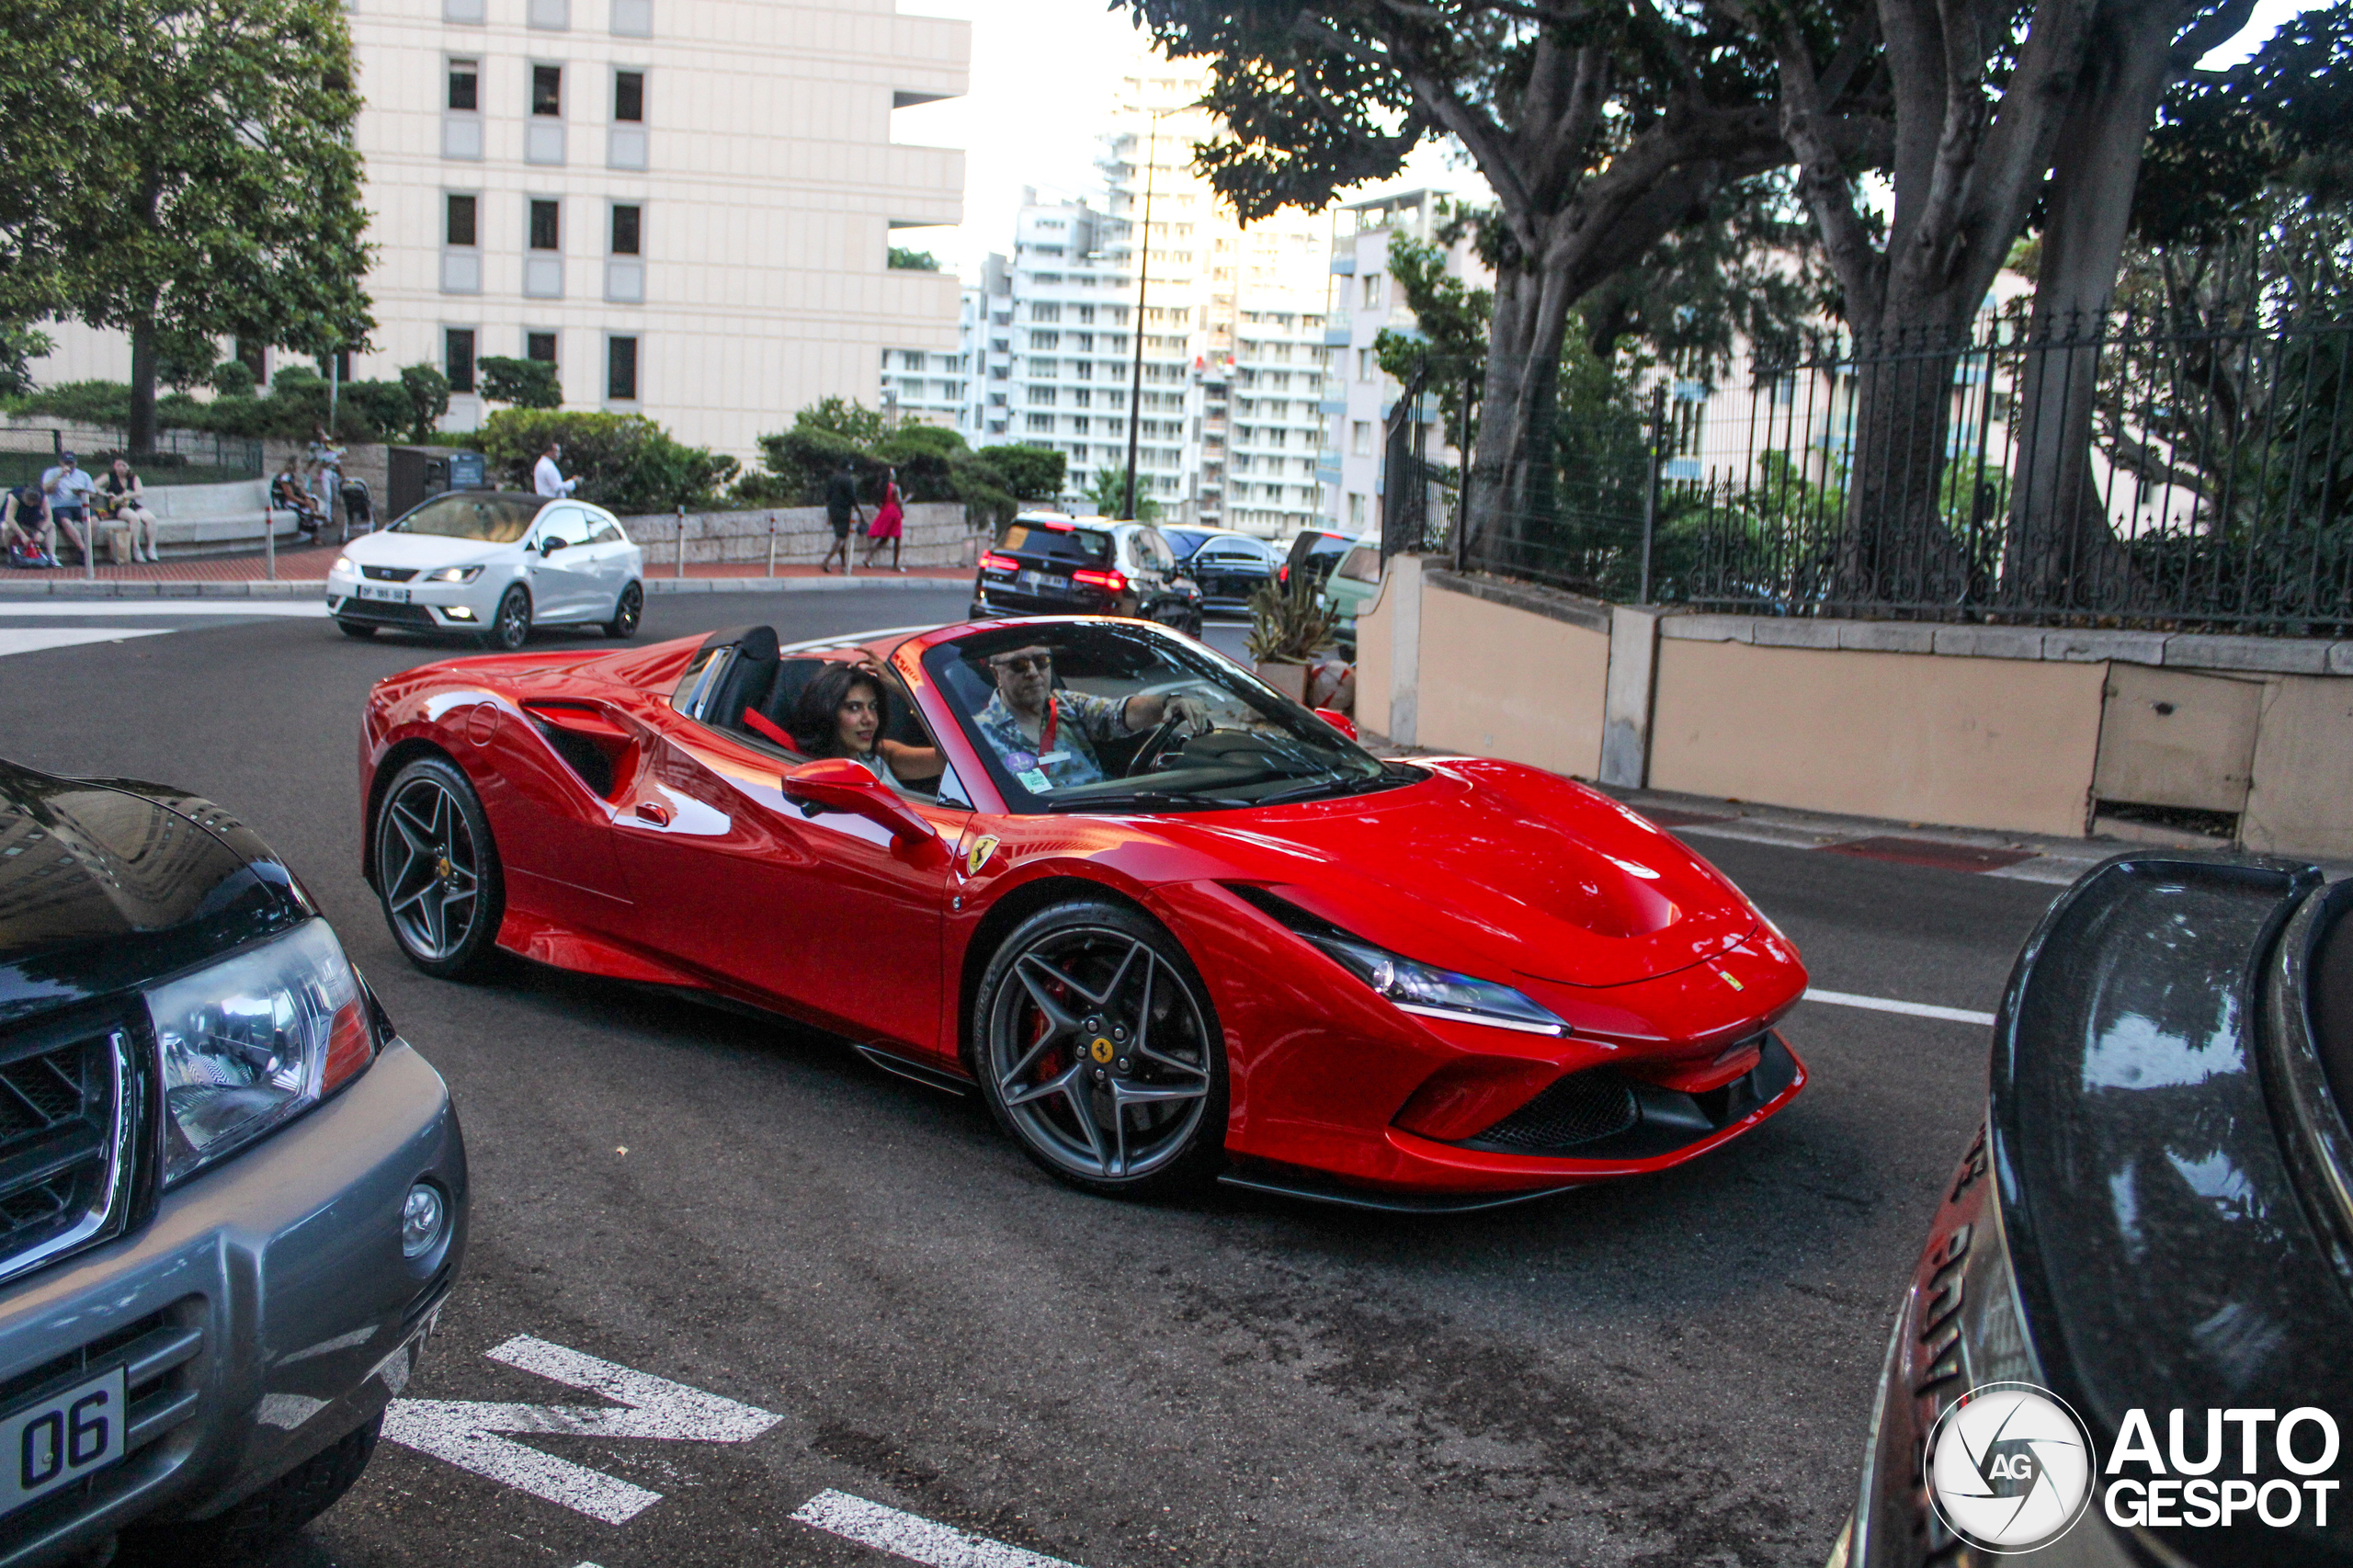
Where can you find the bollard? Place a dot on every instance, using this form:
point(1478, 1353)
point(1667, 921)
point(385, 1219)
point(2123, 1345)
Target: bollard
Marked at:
point(270, 543)
point(681, 570)
point(771, 544)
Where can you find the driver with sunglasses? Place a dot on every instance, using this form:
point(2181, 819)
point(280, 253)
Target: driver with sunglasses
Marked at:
point(1047, 738)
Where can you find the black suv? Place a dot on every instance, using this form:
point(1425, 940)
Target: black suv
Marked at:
point(1043, 563)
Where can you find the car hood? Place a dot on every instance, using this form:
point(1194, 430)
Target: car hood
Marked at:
point(1490, 864)
point(106, 885)
point(423, 551)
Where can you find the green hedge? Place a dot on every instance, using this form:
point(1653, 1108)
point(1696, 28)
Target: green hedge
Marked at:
point(624, 461)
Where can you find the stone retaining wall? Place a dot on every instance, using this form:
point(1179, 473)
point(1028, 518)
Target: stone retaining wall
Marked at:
point(935, 532)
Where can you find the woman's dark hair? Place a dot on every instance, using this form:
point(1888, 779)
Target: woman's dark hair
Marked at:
point(814, 724)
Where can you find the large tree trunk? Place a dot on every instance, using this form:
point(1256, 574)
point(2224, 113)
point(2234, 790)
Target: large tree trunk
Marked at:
point(1894, 546)
point(1511, 471)
point(2060, 549)
point(140, 436)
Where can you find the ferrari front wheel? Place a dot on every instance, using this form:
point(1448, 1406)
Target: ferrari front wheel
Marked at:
point(1096, 1048)
point(436, 870)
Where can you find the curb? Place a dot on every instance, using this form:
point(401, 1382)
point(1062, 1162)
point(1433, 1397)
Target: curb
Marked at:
point(258, 588)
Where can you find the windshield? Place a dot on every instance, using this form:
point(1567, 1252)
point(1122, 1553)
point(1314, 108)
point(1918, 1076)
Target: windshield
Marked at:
point(1092, 715)
point(474, 513)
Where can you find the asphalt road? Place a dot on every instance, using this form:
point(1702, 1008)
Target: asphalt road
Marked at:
point(1671, 1371)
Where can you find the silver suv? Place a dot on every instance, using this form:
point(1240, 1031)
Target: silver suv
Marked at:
point(232, 1199)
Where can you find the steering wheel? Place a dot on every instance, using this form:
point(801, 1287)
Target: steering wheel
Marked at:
point(1148, 754)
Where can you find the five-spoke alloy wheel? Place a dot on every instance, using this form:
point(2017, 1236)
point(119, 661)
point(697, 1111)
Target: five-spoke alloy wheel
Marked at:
point(512, 626)
point(627, 612)
point(1096, 1048)
point(436, 870)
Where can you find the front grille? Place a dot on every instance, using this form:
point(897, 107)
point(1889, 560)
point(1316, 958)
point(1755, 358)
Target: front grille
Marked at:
point(388, 573)
point(357, 608)
point(62, 1151)
point(161, 1357)
point(1577, 1109)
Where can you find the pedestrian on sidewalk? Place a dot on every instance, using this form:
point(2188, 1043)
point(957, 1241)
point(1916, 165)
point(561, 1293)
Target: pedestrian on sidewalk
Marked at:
point(888, 520)
point(286, 493)
point(326, 460)
point(26, 532)
point(547, 479)
point(66, 489)
point(841, 507)
point(121, 496)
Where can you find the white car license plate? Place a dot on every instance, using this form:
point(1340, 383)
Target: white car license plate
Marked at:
point(1043, 580)
point(56, 1442)
point(390, 596)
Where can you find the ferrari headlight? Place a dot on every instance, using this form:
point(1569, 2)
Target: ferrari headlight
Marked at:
point(251, 1042)
point(454, 575)
point(1433, 992)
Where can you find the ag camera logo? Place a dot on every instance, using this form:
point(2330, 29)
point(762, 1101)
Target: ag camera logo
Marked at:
point(2009, 1467)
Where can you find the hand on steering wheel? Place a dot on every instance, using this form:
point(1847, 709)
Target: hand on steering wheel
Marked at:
point(1148, 754)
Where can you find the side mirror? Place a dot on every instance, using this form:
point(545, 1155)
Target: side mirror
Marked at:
point(1339, 720)
point(837, 784)
point(549, 544)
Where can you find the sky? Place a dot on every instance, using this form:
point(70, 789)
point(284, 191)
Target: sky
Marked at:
point(1043, 79)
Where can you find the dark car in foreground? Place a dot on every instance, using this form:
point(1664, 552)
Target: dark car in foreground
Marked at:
point(1044, 564)
point(2151, 1234)
point(232, 1199)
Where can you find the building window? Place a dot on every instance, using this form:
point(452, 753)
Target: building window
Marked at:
point(1042, 424)
point(1356, 511)
point(620, 370)
point(465, 85)
point(633, 18)
point(629, 95)
point(624, 272)
point(555, 16)
point(626, 221)
point(1045, 313)
point(460, 239)
point(1360, 438)
point(545, 234)
point(461, 10)
point(1371, 284)
point(625, 140)
point(540, 346)
point(546, 90)
point(458, 357)
point(1364, 364)
point(461, 117)
point(543, 266)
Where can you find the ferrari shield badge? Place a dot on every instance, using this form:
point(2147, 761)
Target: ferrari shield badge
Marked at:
point(983, 847)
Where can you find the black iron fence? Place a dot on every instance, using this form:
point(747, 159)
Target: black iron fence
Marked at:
point(180, 457)
point(2113, 471)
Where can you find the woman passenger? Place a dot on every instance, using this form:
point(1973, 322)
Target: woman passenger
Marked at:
point(840, 714)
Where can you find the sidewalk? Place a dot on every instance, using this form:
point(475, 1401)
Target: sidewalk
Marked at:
point(300, 572)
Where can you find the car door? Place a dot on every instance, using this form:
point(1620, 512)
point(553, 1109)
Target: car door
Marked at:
point(829, 916)
point(614, 558)
point(562, 573)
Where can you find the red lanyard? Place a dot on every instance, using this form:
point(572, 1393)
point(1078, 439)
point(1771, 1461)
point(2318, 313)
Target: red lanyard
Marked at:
point(1046, 730)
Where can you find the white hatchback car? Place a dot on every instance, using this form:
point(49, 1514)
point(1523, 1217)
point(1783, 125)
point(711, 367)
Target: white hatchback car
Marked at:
point(494, 563)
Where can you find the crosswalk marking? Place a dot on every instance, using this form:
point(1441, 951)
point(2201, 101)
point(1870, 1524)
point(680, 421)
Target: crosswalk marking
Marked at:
point(36, 639)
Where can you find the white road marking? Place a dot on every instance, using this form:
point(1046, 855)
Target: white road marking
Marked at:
point(913, 1537)
point(32, 640)
point(465, 1432)
point(90, 610)
point(1889, 1004)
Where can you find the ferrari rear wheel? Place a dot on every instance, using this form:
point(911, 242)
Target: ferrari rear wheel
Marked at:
point(436, 870)
point(1097, 1050)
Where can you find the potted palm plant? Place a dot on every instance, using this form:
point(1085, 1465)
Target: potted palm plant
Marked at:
point(1290, 624)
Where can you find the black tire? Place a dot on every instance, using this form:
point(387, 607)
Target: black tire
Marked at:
point(359, 629)
point(511, 627)
point(437, 866)
point(248, 1530)
point(975, 612)
point(1136, 1036)
point(628, 610)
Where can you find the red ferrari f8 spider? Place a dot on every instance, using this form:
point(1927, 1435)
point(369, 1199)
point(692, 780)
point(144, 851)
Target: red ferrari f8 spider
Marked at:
point(1172, 925)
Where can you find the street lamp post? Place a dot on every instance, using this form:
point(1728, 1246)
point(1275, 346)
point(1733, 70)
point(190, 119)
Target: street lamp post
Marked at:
point(1143, 270)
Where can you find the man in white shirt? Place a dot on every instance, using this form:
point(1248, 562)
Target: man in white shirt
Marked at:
point(67, 490)
point(548, 479)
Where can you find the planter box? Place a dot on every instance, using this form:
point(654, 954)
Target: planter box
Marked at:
point(1286, 678)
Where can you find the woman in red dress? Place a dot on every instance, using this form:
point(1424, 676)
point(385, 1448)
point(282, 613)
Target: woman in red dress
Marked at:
point(886, 524)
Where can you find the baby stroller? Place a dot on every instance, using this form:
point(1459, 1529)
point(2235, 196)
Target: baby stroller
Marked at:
point(359, 508)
